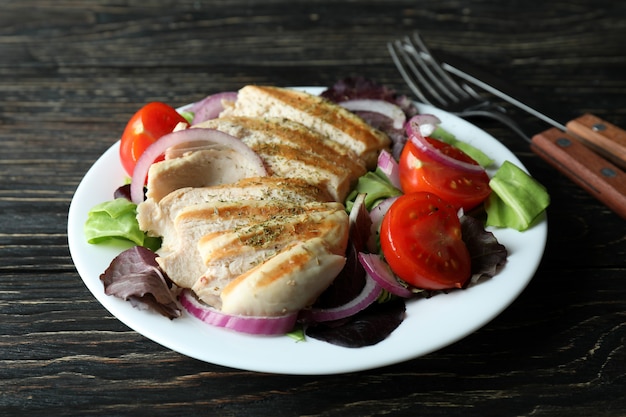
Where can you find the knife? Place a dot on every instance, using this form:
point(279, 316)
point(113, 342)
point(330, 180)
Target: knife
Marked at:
point(575, 148)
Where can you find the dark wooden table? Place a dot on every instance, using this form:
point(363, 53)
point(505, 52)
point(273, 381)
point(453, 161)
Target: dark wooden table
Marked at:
point(71, 74)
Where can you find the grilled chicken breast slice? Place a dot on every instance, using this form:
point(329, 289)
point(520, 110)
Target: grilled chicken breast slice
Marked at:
point(156, 217)
point(286, 283)
point(231, 253)
point(290, 149)
point(217, 234)
point(183, 252)
point(317, 113)
point(203, 167)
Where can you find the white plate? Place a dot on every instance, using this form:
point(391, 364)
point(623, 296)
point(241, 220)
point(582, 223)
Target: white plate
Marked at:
point(430, 324)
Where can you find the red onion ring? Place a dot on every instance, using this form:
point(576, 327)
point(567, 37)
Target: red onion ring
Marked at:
point(358, 207)
point(378, 212)
point(376, 216)
point(257, 325)
point(436, 155)
point(425, 123)
point(369, 294)
point(380, 272)
point(383, 107)
point(389, 166)
point(159, 147)
point(210, 107)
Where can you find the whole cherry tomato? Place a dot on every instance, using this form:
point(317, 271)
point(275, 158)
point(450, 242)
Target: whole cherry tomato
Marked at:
point(150, 123)
point(420, 237)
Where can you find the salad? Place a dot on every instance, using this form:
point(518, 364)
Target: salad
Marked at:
point(384, 205)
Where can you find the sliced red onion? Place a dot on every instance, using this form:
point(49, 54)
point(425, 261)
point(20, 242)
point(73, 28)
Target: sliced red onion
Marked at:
point(425, 123)
point(380, 272)
point(360, 223)
point(257, 325)
point(378, 212)
point(211, 136)
point(389, 166)
point(211, 106)
point(436, 155)
point(383, 107)
point(369, 294)
point(376, 215)
point(358, 207)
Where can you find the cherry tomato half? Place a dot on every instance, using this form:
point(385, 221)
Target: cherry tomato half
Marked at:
point(420, 172)
point(152, 121)
point(420, 237)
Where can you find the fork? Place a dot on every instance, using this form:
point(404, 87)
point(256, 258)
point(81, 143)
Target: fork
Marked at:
point(432, 85)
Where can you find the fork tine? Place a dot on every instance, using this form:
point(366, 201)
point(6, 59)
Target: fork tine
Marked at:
point(423, 74)
point(438, 85)
point(463, 90)
point(396, 50)
point(408, 55)
point(442, 78)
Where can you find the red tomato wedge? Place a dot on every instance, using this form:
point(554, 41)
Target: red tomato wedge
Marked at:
point(150, 123)
point(431, 167)
point(420, 237)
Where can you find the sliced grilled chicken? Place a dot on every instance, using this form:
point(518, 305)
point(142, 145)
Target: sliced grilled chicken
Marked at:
point(183, 253)
point(286, 283)
point(290, 149)
point(200, 167)
point(262, 245)
point(156, 217)
point(230, 255)
point(215, 234)
point(317, 113)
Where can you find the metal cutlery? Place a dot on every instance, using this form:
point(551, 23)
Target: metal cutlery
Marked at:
point(573, 148)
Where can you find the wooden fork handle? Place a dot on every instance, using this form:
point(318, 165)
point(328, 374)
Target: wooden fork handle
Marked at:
point(599, 177)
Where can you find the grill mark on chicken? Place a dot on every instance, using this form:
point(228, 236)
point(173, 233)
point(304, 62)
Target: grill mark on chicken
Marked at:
point(290, 149)
point(288, 281)
point(230, 253)
point(272, 233)
point(298, 135)
point(195, 223)
point(255, 224)
point(314, 112)
point(151, 212)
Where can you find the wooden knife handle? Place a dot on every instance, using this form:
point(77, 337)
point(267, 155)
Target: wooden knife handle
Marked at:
point(596, 175)
point(605, 138)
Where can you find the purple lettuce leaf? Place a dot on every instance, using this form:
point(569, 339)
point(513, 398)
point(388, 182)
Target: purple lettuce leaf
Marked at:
point(135, 276)
point(486, 253)
point(123, 192)
point(365, 328)
point(364, 88)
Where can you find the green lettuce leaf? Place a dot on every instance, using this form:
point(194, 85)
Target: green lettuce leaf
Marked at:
point(476, 154)
point(376, 186)
point(517, 199)
point(116, 219)
point(187, 115)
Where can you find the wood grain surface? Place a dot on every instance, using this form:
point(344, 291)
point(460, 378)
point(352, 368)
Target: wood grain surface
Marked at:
point(71, 74)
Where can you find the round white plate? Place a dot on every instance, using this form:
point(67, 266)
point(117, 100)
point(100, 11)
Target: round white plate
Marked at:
point(430, 324)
